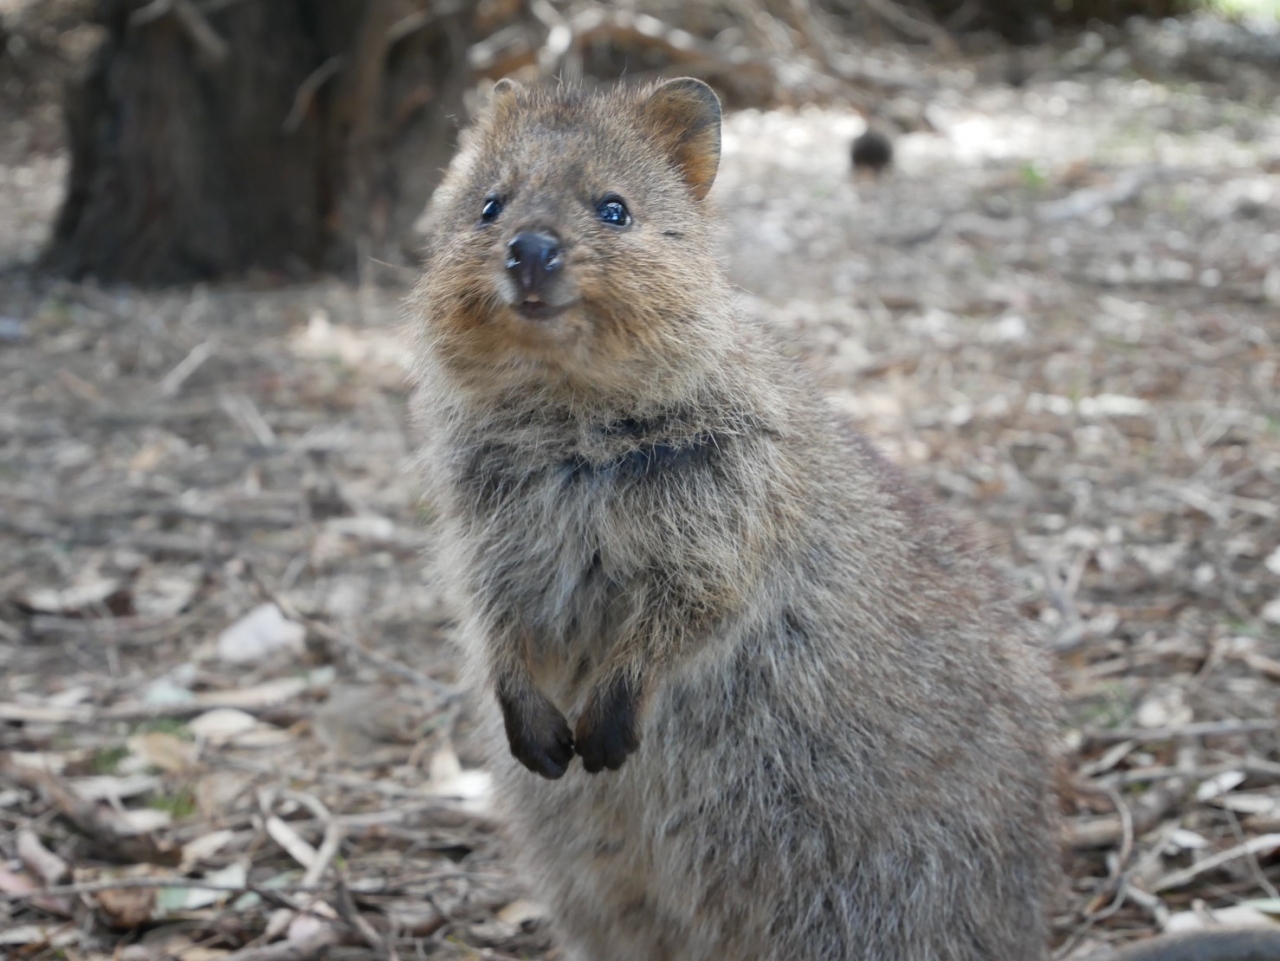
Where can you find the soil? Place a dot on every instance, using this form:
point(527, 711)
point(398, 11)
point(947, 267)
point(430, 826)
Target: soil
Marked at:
point(1059, 309)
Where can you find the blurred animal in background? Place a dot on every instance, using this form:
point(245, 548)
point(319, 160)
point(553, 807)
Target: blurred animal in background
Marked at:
point(872, 152)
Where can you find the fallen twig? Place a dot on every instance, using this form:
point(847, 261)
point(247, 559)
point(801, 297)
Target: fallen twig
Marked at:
point(1264, 844)
point(306, 949)
point(168, 881)
point(120, 884)
point(100, 822)
point(348, 911)
point(173, 381)
point(1201, 729)
point(1105, 830)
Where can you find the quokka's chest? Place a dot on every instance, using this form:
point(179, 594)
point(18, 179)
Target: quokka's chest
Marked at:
point(600, 508)
point(575, 543)
point(606, 473)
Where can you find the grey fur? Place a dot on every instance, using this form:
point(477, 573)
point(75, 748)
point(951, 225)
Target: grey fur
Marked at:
point(844, 732)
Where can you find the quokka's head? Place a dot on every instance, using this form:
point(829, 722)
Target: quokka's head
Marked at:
point(569, 246)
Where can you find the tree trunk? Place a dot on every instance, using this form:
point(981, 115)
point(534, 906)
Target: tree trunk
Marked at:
point(279, 135)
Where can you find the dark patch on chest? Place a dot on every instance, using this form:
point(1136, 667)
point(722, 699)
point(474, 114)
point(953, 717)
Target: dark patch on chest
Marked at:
point(644, 451)
point(647, 455)
point(641, 462)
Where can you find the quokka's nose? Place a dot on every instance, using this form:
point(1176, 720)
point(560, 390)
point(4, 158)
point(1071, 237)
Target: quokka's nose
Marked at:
point(532, 257)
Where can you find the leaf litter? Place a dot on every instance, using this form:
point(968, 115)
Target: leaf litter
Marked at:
point(229, 715)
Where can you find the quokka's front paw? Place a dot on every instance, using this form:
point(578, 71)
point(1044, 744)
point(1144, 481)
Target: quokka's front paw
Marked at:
point(538, 733)
point(608, 729)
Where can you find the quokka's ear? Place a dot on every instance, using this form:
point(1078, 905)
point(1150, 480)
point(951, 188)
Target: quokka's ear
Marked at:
point(507, 87)
point(684, 118)
point(504, 96)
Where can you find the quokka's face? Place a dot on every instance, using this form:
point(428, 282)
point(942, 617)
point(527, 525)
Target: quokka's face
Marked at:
point(568, 237)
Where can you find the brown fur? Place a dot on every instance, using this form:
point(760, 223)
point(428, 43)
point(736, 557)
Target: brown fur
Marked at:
point(826, 732)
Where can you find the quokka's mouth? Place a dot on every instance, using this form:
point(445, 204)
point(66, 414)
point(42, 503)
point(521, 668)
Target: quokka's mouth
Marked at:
point(536, 309)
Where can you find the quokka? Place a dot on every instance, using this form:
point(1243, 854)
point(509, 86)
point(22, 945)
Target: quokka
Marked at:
point(756, 698)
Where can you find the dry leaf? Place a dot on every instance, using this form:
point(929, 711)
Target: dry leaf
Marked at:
point(277, 922)
point(262, 632)
point(205, 846)
point(1164, 707)
point(50, 935)
point(1272, 563)
point(1249, 803)
point(1234, 916)
point(166, 591)
point(41, 714)
point(444, 766)
point(165, 690)
point(107, 787)
point(448, 779)
point(165, 751)
point(311, 923)
point(419, 920)
point(217, 791)
point(39, 859)
point(1186, 840)
point(47, 761)
point(92, 591)
point(12, 798)
point(474, 786)
point(521, 912)
point(128, 907)
point(142, 821)
point(291, 841)
point(1219, 784)
point(264, 736)
point(173, 900)
point(261, 695)
point(221, 724)
point(70, 697)
point(13, 883)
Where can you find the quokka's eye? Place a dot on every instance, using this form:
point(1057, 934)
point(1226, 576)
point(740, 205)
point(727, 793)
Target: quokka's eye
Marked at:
point(489, 212)
point(613, 211)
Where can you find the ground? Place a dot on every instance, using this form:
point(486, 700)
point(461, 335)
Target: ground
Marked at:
point(1059, 310)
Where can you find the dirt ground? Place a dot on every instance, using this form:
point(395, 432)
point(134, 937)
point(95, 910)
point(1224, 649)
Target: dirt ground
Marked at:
point(223, 669)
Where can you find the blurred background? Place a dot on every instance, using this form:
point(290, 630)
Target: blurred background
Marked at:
point(1031, 246)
